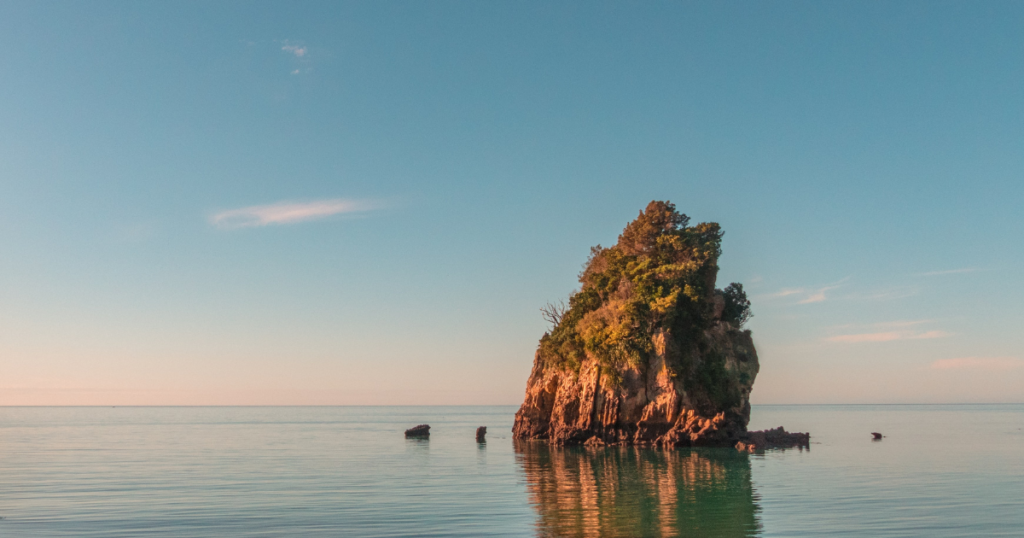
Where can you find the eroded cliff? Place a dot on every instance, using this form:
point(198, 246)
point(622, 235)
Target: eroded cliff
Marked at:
point(648, 351)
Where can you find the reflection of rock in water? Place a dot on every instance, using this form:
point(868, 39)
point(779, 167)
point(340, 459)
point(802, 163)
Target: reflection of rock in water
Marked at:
point(638, 492)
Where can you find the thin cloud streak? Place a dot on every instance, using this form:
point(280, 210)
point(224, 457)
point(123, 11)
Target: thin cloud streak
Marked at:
point(950, 272)
point(896, 324)
point(904, 323)
point(887, 336)
point(929, 335)
point(866, 337)
point(978, 363)
point(288, 212)
point(815, 297)
point(812, 295)
point(884, 295)
point(818, 295)
point(783, 293)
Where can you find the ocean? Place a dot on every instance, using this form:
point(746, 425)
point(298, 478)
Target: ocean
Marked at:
point(941, 470)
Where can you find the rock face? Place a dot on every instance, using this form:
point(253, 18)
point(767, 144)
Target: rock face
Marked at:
point(648, 351)
point(649, 406)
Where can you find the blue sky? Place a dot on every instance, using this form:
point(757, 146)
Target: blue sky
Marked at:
point(367, 203)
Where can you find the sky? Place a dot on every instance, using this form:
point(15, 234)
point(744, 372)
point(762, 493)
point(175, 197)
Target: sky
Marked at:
point(367, 203)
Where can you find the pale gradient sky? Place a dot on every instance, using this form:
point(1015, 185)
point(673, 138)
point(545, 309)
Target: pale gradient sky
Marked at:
point(367, 203)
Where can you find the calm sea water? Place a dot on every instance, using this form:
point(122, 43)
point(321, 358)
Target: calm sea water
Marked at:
point(348, 471)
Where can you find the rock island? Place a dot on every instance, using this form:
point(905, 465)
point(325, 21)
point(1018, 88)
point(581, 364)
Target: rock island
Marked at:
point(648, 351)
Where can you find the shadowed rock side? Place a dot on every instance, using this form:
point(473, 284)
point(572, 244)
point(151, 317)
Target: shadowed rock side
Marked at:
point(648, 352)
point(631, 492)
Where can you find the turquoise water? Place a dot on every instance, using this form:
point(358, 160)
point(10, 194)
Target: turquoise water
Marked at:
point(348, 471)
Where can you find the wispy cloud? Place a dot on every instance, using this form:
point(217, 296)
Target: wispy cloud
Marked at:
point(288, 212)
point(928, 335)
point(784, 293)
point(949, 272)
point(978, 363)
point(903, 323)
point(866, 337)
point(816, 296)
point(809, 295)
point(297, 50)
point(887, 336)
point(898, 324)
point(882, 295)
point(301, 61)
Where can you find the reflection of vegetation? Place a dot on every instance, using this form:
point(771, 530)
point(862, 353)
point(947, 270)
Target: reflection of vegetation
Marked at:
point(659, 276)
point(639, 492)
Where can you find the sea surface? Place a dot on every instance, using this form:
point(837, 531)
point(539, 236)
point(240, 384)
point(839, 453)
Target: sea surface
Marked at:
point(941, 470)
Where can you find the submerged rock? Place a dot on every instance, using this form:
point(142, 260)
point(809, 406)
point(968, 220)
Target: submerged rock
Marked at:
point(773, 439)
point(481, 433)
point(422, 430)
point(648, 352)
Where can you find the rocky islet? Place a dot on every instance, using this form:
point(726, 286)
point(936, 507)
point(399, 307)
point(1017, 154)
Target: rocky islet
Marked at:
point(649, 352)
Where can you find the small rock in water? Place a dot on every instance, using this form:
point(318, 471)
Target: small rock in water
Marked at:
point(773, 439)
point(877, 436)
point(422, 430)
point(480, 433)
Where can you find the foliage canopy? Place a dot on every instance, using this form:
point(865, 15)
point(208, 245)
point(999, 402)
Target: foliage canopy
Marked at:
point(659, 275)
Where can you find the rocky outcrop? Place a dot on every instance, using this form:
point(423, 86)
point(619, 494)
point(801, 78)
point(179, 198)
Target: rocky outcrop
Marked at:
point(648, 351)
point(648, 405)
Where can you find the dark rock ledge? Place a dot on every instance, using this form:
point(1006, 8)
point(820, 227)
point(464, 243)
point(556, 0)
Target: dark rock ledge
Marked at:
point(777, 438)
point(421, 431)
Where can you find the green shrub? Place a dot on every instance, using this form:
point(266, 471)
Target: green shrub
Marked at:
point(737, 306)
point(659, 275)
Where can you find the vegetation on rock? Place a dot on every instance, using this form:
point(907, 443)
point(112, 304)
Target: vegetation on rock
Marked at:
point(647, 352)
point(658, 277)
